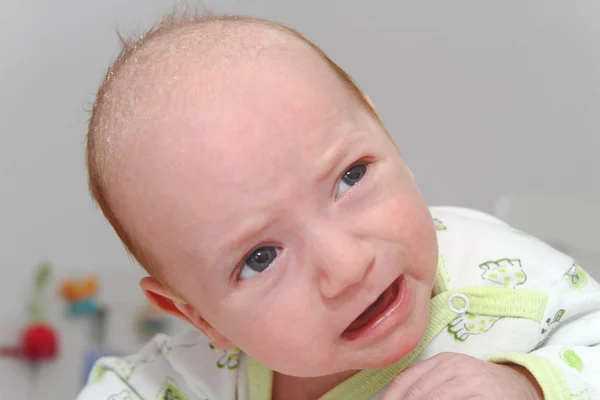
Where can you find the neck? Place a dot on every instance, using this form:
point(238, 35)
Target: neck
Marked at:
point(293, 388)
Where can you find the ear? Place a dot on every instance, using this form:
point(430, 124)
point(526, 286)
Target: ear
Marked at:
point(168, 302)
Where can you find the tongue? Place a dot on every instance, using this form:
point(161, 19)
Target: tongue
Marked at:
point(369, 314)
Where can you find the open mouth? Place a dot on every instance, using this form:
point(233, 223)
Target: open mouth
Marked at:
point(375, 311)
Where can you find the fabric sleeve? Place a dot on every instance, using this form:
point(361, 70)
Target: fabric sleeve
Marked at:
point(566, 363)
point(185, 367)
point(111, 387)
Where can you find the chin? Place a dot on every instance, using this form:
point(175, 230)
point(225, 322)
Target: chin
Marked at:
point(399, 345)
point(402, 351)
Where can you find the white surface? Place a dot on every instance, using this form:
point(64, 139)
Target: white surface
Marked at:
point(482, 97)
point(569, 222)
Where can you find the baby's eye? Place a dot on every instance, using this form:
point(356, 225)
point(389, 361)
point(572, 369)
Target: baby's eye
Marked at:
point(351, 178)
point(258, 261)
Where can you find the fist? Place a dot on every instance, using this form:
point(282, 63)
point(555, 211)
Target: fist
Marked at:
point(451, 376)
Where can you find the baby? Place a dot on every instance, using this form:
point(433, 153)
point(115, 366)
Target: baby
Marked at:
point(258, 187)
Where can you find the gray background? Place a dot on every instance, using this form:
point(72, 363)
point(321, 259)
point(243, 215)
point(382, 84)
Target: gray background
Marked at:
point(482, 97)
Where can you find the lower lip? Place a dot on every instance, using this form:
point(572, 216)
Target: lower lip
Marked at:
point(388, 319)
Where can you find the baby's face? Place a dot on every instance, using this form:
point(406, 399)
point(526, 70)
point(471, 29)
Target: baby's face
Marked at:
point(281, 210)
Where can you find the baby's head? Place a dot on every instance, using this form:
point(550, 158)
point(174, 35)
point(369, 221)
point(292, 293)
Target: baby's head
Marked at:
point(255, 183)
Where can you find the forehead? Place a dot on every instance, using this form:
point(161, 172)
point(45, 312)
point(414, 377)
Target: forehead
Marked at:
point(270, 117)
point(248, 114)
point(284, 89)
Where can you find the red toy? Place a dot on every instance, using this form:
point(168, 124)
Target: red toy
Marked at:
point(39, 341)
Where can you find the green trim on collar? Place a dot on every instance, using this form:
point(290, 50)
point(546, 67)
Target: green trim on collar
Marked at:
point(260, 380)
point(442, 278)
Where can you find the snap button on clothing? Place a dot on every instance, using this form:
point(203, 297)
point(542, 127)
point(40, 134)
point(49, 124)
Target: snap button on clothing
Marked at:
point(458, 303)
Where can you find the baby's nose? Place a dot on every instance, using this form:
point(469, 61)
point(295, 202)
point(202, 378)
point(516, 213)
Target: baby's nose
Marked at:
point(342, 260)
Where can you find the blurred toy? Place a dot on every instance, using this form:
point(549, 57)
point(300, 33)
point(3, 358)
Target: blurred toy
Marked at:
point(39, 341)
point(151, 322)
point(81, 295)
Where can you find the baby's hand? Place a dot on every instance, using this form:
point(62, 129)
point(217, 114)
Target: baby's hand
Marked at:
point(450, 376)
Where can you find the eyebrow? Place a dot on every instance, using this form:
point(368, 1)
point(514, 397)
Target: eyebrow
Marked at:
point(243, 235)
point(337, 153)
point(331, 160)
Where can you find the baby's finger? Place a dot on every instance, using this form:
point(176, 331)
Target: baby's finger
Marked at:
point(400, 385)
point(435, 381)
point(450, 390)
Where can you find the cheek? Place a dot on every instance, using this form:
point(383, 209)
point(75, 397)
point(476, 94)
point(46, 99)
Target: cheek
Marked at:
point(284, 326)
point(402, 218)
point(419, 235)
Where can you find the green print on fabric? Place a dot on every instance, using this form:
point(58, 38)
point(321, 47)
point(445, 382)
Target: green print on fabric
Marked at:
point(505, 272)
point(230, 358)
point(166, 349)
point(121, 367)
point(572, 359)
point(469, 324)
point(548, 325)
point(97, 373)
point(170, 391)
point(124, 395)
point(439, 225)
point(551, 322)
point(576, 277)
point(583, 395)
point(124, 368)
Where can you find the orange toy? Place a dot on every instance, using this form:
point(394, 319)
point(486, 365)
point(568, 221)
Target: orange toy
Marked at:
point(81, 295)
point(76, 290)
